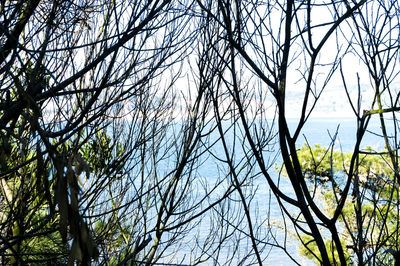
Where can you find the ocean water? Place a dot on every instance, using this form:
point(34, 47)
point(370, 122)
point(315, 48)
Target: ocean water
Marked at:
point(319, 131)
point(265, 208)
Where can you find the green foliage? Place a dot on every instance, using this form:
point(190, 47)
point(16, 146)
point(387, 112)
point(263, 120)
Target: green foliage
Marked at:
point(27, 202)
point(323, 162)
point(99, 151)
point(310, 250)
point(25, 206)
point(326, 171)
point(48, 247)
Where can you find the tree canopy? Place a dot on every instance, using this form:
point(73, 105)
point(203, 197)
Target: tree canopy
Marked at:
point(146, 132)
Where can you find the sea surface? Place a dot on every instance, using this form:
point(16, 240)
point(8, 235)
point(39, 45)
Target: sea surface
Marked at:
point(339, 131)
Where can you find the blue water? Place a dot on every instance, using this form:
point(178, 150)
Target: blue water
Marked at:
point(320, 131)
point(265, 208)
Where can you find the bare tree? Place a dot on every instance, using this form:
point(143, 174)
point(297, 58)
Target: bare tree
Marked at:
point(141, 132)
point(72, 74)
point(281, 46)
point(102, 150)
